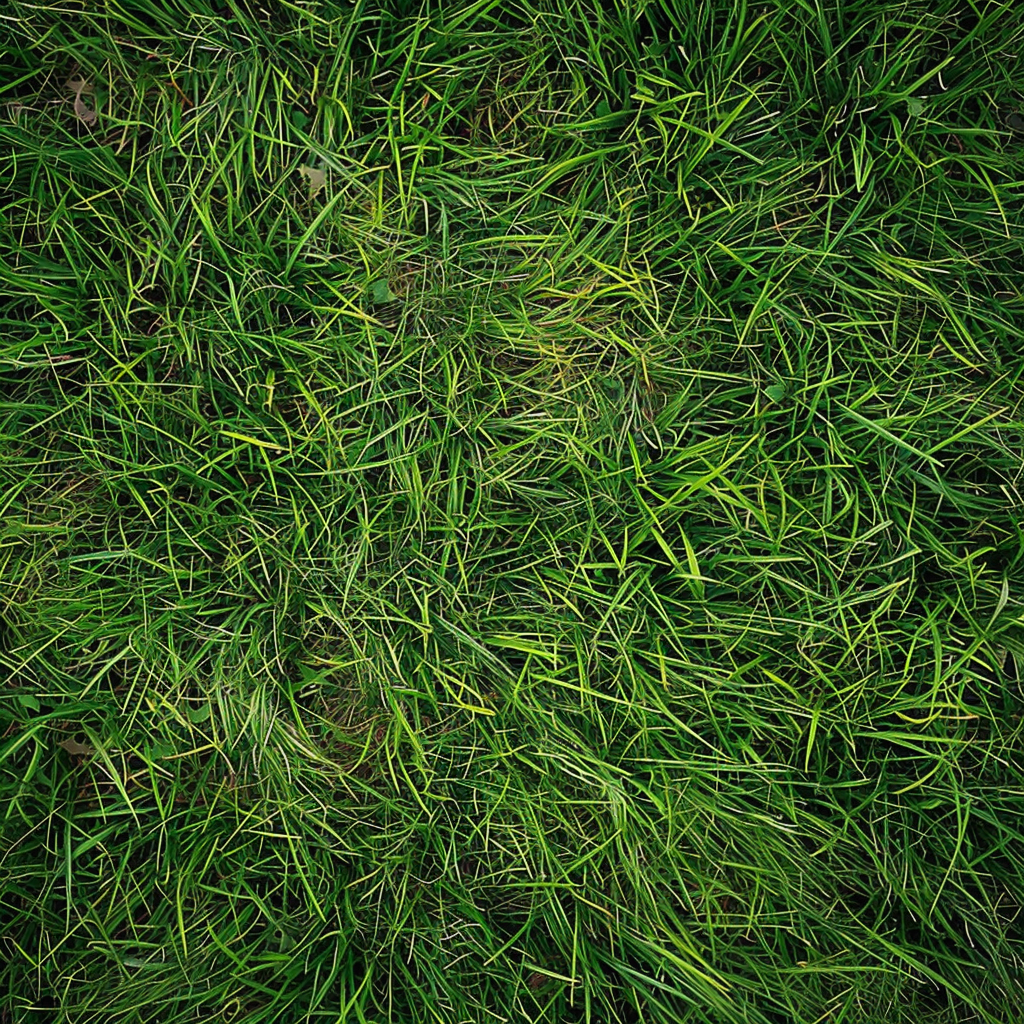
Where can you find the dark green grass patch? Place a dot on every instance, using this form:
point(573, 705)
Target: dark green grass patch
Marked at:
point(511, 513)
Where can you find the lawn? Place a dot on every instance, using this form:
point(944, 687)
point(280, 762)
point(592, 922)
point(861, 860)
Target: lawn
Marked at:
point(511, 512)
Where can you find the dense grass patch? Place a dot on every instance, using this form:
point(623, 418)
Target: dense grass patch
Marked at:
point(511, 512)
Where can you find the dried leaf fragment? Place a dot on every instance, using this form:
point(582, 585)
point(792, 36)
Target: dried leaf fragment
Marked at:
point(77, 749)
point(316, 178)
point(85, 115)
point(80, 87)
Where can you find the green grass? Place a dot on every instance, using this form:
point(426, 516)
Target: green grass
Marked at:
point(511, 512)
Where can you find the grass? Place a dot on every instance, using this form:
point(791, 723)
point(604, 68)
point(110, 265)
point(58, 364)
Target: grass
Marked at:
point(511, 512)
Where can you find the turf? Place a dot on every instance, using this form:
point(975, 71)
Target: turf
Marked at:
point(511, 512)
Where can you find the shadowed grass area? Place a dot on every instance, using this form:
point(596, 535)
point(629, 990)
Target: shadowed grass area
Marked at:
point(511, 512)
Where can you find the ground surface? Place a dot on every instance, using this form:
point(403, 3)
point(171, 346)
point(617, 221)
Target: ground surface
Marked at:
point(511, 513)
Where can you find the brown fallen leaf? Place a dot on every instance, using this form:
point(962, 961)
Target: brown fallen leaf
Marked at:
point(80, 87)
point(77, 749)
point(85, 115)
